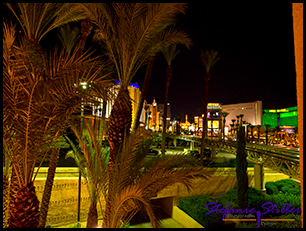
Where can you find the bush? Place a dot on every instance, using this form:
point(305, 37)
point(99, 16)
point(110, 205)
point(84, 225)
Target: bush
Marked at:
point(279, 192)
point(271, 188)
point(281, 199)
point(195, 207)
point(286, 186)
point(255, 198)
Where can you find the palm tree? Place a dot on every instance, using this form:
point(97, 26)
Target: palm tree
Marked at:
point(39, 98)
point(146, 107)
point(238, 116)
point(224, 114)
point(93, 164)
point(208, 58)
point(137, 180)
point(241, 116)
point(170, 53)
point(258, 133)
point(130, 33)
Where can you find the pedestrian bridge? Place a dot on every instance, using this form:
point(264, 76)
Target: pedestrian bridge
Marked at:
point(283, 160)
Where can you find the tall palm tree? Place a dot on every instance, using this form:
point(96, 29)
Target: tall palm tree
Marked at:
point(37, 108)
point(69, 41)
point(238, 116)
point(208, 58)
point(241, 116)
point(130, 33)
point(170, 53)
point(224, 114)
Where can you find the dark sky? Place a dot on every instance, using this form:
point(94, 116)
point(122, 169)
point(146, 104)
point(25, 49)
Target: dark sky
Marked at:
point(256, 49)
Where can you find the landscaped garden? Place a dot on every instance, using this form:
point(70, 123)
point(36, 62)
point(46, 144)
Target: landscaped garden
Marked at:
point(279, 192)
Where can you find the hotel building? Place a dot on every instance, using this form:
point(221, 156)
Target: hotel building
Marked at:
point(252, 112)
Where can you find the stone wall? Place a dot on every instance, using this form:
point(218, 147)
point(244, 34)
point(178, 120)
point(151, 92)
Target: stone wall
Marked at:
point(64, 198)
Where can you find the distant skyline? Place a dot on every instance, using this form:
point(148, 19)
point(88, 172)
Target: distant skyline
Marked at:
point(256, 50)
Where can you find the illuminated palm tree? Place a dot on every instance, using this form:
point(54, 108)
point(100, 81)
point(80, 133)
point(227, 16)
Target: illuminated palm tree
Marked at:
point(208, 58)
point(39, 97)
point(93, 163)
point(241, 116)
point(170, 53)
point(130, 33)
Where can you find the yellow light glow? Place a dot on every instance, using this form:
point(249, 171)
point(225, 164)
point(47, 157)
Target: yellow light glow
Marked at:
point(215, 124)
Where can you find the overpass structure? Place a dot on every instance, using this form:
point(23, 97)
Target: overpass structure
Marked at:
point(282, 160)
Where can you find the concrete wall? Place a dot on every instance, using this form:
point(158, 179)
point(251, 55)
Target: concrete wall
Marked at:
point(63, 203)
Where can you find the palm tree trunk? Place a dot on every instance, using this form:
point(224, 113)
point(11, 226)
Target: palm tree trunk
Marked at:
point(14, 187)
point(120, 123)
point(241, 170)
point(169, 75)
point(92, 219)
point(5, 199)
point(24, 209)
point(48, 188)
point(204, 133)
point(144, 91)
point(102, 121)
point(85, 30)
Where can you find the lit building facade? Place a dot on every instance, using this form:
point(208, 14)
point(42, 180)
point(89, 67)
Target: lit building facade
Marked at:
point(214, 120)
point(155, 113)
point(286, 118)
point(252, 112)
point(134, 92)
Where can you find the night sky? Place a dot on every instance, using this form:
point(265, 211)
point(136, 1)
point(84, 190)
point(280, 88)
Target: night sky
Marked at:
point(256, 50)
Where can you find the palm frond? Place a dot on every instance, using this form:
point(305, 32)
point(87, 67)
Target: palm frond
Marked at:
point(163, 171)
point(128, 202)
point(170, 53)
point(127, 30)
point(37, 19)
point(69, 36)
point(209, 58)
point(126, 157)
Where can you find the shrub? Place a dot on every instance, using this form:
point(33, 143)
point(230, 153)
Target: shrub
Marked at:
point(271, 188)
point(281, 199)
point(195, 207)
point(283, 186)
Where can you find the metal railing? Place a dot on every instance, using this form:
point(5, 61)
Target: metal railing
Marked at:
point(279, 159)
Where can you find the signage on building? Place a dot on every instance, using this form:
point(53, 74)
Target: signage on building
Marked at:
point(214, 106)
